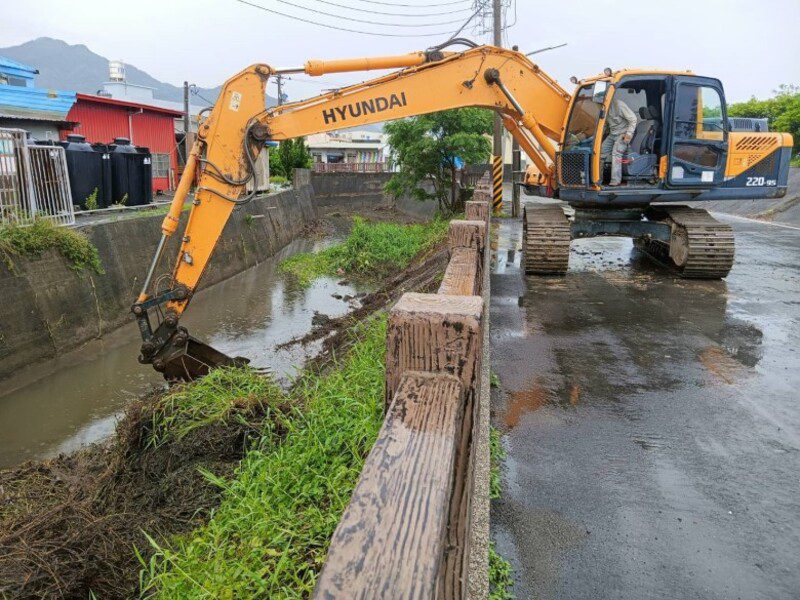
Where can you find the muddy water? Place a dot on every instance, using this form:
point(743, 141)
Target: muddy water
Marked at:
point(76, 399)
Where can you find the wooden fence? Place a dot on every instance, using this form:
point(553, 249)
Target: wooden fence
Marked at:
point(407, 530)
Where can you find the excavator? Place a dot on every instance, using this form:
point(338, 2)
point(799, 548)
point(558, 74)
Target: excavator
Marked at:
point(683, 149)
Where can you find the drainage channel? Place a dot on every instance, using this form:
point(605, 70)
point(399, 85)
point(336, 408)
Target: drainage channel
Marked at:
point(76, 399)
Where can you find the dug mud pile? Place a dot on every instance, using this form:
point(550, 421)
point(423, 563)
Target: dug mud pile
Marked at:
point(86, 523)
point(71, 523)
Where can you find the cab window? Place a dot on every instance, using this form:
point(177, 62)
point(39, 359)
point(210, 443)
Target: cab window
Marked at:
point(582, 122)
point(698, 113)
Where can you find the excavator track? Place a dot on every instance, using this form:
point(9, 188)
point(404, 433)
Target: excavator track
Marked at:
point(700, 246)
point(546, 238)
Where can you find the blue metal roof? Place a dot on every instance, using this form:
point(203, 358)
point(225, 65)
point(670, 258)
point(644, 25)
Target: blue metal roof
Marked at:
point(51, 104)
point(6, 65)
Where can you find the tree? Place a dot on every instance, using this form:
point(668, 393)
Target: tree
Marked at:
point(782, 111)
point(288, 156)
point(428, 149)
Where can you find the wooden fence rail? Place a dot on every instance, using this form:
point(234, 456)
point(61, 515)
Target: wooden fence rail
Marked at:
point(406, 532)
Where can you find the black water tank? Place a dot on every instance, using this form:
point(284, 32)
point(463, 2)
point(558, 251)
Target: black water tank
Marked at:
point(131, 178)
point(148, 171)
point(89, 169)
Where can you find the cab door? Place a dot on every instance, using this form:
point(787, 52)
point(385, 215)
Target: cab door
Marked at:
point(698, 133)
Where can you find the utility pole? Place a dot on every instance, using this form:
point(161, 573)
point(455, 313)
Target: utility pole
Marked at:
point(279, 80)
point(187, 131)
point(516, 166)
point(497, 16)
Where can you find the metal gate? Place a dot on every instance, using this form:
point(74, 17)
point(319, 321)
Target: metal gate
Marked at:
point(33, 182)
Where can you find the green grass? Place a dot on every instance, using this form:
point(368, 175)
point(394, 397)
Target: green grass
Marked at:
point(500, 579)
point(795, 162)
point(213, 399)
point(34, 239)
point(494, 380)
point(496, 454)
point(371, 250)
point(270, 534)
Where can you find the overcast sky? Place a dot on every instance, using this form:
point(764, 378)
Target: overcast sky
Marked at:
point(752, 46)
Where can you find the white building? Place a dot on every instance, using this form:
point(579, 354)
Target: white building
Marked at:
point(348, 147)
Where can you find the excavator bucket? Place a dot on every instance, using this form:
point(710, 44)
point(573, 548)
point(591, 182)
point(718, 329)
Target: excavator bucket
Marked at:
point(192, 360)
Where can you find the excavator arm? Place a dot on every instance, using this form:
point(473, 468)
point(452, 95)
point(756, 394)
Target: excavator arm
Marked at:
point(533, 107)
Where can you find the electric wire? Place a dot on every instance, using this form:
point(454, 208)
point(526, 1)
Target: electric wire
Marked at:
point(193, 90)
point(436, 4)
point(365, 21)
point(346, 29)
point(393, 14)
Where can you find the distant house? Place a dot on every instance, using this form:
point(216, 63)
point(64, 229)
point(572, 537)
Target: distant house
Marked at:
point(101, 120)
point(348, 148)
point(40, 112)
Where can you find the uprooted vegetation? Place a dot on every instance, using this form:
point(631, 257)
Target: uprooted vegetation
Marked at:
point(371, 250)
point(70, 524)
point(276, 467)
point(41, 235)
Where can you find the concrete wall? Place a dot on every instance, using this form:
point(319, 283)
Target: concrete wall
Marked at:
point(49, 308)
point(364, 190)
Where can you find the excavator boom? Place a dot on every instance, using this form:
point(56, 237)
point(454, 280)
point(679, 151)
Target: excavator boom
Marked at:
point(532, 104)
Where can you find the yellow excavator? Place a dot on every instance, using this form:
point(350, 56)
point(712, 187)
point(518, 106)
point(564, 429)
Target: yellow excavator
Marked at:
point(684, 149)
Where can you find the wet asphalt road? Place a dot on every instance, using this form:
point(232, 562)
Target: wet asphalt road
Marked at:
point(652, 424)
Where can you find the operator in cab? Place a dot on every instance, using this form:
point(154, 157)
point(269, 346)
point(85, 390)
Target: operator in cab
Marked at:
point(621, 122)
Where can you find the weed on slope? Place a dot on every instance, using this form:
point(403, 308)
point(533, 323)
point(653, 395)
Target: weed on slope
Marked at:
point(372, 250)
point(270, 534)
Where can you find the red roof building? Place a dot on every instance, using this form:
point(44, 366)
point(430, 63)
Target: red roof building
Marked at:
point(100, 120)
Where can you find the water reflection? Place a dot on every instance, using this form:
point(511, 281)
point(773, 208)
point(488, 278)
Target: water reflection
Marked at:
point(75, 399)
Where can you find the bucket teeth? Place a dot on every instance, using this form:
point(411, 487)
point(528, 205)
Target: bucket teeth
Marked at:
point(187, 359)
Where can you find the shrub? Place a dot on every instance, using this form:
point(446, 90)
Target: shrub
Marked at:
point(33, 240)
point(91, 200)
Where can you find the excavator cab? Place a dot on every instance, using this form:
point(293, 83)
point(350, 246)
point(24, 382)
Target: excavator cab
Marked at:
point(683, 147)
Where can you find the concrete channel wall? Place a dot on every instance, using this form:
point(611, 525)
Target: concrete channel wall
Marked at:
point(417, 522)
point(49, 308)
point(364, 190)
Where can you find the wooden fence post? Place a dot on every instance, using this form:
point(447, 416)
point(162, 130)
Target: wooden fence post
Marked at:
point(477, 210)
point(392, 539)
point(436, 334)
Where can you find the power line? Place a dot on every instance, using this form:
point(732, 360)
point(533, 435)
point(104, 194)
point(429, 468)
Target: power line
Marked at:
point(365, 21)
point(392, 14)
point(336, 27)
point(460, 29)
point(193, 89)
point(437, 4)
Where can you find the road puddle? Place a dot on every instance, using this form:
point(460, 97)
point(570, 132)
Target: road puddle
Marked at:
point(525, 401)
point(721, 364)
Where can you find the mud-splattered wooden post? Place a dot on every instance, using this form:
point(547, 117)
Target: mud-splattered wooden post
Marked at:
point(463, 276)
point(433, 333)
point(477, 210)
point(442, 334)
point(392, 539)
